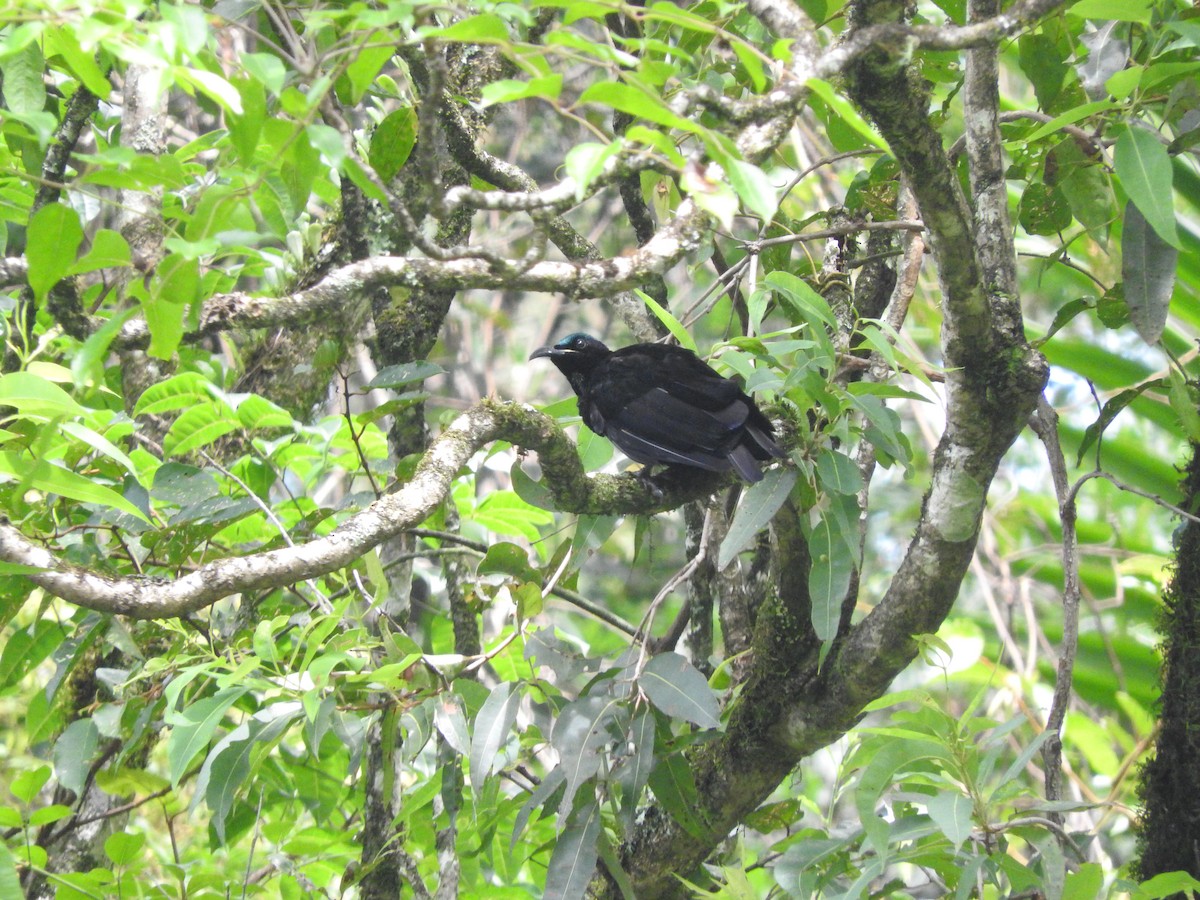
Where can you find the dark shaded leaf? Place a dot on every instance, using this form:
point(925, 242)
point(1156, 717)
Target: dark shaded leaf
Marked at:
point(1148, 270)
point(677, 688)
point(755, 511)
point(505, 558)
point(575, 853)
point(392, 377)
point(675, 789)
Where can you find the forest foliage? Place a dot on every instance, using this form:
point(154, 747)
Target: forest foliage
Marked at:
point(300, 595)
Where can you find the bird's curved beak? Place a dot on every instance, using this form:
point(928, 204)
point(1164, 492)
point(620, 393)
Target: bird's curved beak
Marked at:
point(541, 351)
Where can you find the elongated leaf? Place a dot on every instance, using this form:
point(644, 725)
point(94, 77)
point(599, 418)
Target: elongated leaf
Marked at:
point(677, 688)
point(673, 324)
point(837, 472)
point(33, 395)
point(1109, 412)
point(192, 727)
point(579, 736)
point(1148, 270)
point(24, 80)
point(48, 478)
point(73, 754)
point(493, 723)
point(829, 577)
point(451, 723)
point(10, 882)
point(552, 782)
point(755, 511)
point(392, 142)
point(574, 856)
point(675, 789)
point(634, 771)
point(1144, 167)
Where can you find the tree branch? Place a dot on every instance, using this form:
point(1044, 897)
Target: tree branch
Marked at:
point(411, 504)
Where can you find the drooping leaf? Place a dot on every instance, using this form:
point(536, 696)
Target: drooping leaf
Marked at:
point(830, 574)
point(574, 858)
point(675, 789)
point(755, 511)
point(1144, 167)
point(493, 723)
point(580, 735)
point(1148, 272)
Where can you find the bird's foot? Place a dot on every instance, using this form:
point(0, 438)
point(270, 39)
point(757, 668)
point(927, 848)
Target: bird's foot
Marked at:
point(647, 479)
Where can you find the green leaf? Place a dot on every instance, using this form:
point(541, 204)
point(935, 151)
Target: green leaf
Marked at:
point(493, 723)
point(585, 161)
point(199, 426)
point(486, 28)
point(755, 511)
point(1107, 413)
point(53, 236)
point(73, 754)
point(32, 395)
point(1144, 167)
point(675, 788)
point(10, 881)
point(829, 576)
point(392, 142)
point(677, 688)
point(637, 103)
point(673, 324)
point(108, 251)
point(574, 858)
point(504, 558)
point(266, 68)
point(24, 85)
point(1070, 117)
point(175, 285)
point(177, 392)
point(260, 414)
point(838, 473)
point(193, 727)
point(951, 812)
point(124, 848)
point(1148, 270)
point(580, 735)
point(366, 64)
point(26, 785)
point(753, 188)
point(392, 377)
point(44, 476)
point(1120, 10)
point(61, 42)
point(507, 90)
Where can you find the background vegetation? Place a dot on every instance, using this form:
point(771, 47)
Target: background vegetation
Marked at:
point(298, 598)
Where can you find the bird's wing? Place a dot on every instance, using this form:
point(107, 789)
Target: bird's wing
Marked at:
point(660, 427)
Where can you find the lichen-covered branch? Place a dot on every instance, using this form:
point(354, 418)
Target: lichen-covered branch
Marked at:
point(407, 507)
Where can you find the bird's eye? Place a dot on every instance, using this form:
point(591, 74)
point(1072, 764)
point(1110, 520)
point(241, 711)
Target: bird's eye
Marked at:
point(579, 343)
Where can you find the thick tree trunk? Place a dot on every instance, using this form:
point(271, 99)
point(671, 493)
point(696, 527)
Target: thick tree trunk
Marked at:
point(1170, 832)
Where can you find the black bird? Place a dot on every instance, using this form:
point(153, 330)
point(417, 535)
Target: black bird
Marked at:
point(664, 405)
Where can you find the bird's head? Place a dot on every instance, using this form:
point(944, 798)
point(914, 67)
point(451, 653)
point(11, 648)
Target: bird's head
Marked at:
point(576, 352)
